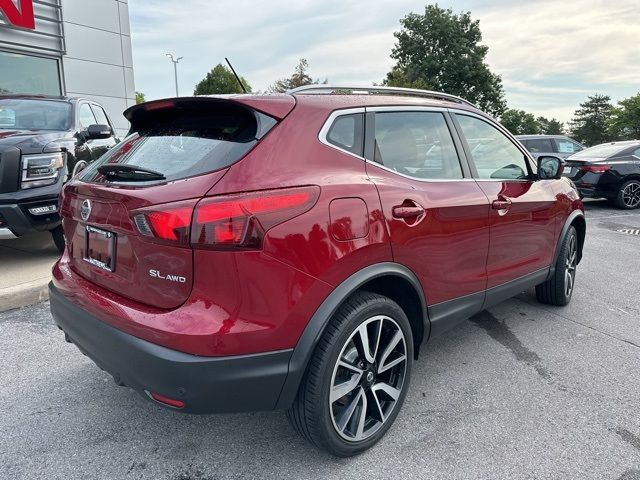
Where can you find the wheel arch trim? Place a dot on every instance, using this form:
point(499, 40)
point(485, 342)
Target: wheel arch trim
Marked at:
point(576, 215)
point(317, 324)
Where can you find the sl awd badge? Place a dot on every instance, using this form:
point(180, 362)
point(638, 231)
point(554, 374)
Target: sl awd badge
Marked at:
point(85, 210)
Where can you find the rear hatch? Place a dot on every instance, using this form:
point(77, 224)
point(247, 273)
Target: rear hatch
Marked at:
point(127, 216)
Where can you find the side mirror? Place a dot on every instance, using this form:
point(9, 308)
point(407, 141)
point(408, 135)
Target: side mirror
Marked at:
point(550, 168)
point(97, 132)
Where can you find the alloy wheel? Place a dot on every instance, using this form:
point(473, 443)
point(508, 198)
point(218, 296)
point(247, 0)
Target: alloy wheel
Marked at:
point(631, 195)
point(571, 263)
point(368, 378)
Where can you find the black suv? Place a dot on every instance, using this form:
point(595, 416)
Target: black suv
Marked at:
point(41, 141)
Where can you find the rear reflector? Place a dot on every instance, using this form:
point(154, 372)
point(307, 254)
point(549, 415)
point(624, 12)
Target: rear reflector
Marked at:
point(225, 222)
point(170, 402)
point(595, 168)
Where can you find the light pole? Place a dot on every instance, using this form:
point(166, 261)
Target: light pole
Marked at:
point(175, 68)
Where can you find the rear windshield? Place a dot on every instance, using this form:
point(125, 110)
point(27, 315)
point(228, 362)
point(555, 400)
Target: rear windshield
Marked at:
point(181, 143)
point(601, 151)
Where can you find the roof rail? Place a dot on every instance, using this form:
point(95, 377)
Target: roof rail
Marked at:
point(325, 89)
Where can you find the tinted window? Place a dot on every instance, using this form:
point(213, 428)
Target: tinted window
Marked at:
point(18, 114)
point(494, 155)
point(538, 145)
point(101, 117)
point(346, 133)
point(85, 116)
point(417, 144)
point(181, 143)
point(567, 146)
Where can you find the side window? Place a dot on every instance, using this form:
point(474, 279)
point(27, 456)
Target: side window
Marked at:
point(539, 145)
point(101, 117)
point(567, 146)
point(85, 116)
point(347, 133)
point(495, 156)
point(636, 153)
point(417, 144)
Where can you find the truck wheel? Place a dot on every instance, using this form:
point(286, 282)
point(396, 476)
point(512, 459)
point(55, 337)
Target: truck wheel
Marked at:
point(357, 378)
point(58, 238)
point(559, 288)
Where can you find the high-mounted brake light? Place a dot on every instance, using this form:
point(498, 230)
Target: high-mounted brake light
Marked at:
point(159, 105)
point(225, 222)
point(595, 168)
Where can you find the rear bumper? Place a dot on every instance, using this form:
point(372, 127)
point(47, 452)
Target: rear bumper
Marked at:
point(205, 384)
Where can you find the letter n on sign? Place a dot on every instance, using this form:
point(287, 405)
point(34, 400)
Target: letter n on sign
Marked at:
point(20, 17)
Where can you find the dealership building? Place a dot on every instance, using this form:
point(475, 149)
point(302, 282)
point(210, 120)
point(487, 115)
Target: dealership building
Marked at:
point(69, 47)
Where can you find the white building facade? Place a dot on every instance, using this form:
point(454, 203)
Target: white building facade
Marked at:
point(69, 47)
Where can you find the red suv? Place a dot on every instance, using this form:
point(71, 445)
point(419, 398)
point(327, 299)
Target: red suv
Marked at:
point(295, 251)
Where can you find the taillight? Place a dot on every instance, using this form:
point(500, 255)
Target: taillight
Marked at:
point(595, 168)
point(169, 223)
point(225, 222)
point(240, 221)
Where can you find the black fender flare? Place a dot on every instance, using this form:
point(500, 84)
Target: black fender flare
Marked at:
point(315, 327)
point(565, 228)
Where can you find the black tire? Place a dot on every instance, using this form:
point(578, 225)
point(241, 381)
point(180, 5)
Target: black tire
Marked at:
point(559, 288)
point(315, 416)
point(629, 195)
point(58, 238)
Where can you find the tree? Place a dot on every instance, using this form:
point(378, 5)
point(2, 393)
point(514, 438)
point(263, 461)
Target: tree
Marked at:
point(220, 80)
point(297, 79)
point(520, 122)
point(589, 124)
point(140, 97)
point(442, 51)
point(550, 127)
point(624, 122)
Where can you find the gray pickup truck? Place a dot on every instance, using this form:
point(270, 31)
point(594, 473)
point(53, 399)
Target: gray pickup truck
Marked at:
point(41, 140)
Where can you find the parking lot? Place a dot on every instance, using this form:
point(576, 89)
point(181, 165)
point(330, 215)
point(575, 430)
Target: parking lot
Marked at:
point(520, 391)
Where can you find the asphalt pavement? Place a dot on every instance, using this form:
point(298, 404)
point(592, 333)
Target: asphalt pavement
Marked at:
point(523, 391)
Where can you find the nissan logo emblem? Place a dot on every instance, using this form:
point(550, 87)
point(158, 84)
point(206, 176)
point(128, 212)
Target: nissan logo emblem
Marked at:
point(85, 210)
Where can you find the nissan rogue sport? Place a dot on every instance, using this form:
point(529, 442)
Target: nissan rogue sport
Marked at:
point(297, 251)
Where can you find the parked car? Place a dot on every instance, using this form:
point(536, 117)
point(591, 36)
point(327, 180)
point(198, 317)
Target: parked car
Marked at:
point(295, 251)
point(41, 139)
point(610, 170)
point(559, 146)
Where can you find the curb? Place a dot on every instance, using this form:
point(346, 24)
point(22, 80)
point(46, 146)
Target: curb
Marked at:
point(24, 294)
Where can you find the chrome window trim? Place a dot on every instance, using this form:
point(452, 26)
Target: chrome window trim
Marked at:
point(324, 131)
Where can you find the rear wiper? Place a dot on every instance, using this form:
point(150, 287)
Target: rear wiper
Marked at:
point(129, 173)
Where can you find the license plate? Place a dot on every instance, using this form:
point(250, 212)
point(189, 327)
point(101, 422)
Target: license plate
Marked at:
point(100, 248)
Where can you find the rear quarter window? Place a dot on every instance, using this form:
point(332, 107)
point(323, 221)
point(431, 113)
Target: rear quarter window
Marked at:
point(186, 142)
point(346, 133)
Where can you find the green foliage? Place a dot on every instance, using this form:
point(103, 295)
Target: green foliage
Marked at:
point(624, 122)
point(442, 51)
point(298, 78)
point(590, 121)
point(550, 127)
point(220, 80)
point(140, 98)
point(520, 122)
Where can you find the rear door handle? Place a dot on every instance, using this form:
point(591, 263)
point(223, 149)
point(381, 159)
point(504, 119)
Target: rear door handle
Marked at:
point(409, 211)
point(502, 203)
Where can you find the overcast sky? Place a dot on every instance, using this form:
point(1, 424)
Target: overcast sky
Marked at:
point(551, 54)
